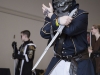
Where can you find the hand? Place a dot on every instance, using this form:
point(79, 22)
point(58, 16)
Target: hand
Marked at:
point(14, 56)
point(14, 44)
point(90, 51)
point(65, 20)
point(47, 10)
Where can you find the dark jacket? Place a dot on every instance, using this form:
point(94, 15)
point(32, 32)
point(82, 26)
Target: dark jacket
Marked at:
point(27, 65)
point(96, 50)
point(76, 33)
point(74, 43)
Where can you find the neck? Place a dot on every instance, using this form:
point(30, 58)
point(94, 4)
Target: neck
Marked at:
point(97, 35)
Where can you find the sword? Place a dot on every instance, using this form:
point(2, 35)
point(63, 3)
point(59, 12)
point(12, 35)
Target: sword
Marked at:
point(90, 43)
point(14, 59)
point(59, 31)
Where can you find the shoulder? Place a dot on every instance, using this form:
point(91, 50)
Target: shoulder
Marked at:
point(31, 46)
point(80, 11)
point(81, 14)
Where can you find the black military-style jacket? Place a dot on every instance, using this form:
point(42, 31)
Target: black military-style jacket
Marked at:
point(76, 34)
point(25, 61)
point(74, 43)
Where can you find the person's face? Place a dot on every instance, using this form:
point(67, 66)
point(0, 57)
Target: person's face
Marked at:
point(23, 37)
point(93, 30)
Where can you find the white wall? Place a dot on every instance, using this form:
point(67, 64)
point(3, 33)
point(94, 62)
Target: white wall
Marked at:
point(93, 7)
point(11, 24)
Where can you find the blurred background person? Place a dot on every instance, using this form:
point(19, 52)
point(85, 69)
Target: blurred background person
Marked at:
point(25, 54)
point(95, 50)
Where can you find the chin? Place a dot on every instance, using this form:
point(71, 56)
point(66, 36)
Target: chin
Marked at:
point(22, 40)
point(92, 33)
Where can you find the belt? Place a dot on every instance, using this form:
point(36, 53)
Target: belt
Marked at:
point(95, 55)
point(73, 65)
point(73, 59)
point(80, 56)
point(66, 58)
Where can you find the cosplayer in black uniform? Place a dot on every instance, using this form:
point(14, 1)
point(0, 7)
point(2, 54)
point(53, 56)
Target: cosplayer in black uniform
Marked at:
point(70, 48)
point(25, 59)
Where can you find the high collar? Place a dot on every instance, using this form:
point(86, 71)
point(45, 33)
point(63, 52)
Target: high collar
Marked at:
point(74, 5)
point(27, 42)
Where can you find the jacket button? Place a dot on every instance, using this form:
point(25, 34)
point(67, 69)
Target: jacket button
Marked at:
point(62, 52)
point(63, 48)
point(63, 42)
point(65, 52)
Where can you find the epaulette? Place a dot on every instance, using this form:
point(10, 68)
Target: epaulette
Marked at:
point(32, 47)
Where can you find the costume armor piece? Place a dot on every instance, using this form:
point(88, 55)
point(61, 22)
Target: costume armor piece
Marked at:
point(62, 7)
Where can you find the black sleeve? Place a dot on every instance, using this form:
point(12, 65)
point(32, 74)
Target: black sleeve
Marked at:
point(18, 56)
point(77, 26)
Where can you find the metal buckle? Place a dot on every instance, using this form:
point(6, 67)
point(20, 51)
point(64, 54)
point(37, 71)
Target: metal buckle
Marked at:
point(97, 55)
point(80, 55)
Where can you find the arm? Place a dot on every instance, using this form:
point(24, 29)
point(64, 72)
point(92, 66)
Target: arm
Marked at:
point(53, 21)
point(77, 26)
point(31, 52)
point(45, 30)
point(16, 55)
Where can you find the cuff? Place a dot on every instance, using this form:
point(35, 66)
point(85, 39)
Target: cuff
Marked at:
point(57, 24)
point(53, 17)
point(47, 19)
point(53, 21)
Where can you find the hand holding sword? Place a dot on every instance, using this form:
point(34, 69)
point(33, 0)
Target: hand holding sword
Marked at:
point(14, 46)
point(48, 11)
